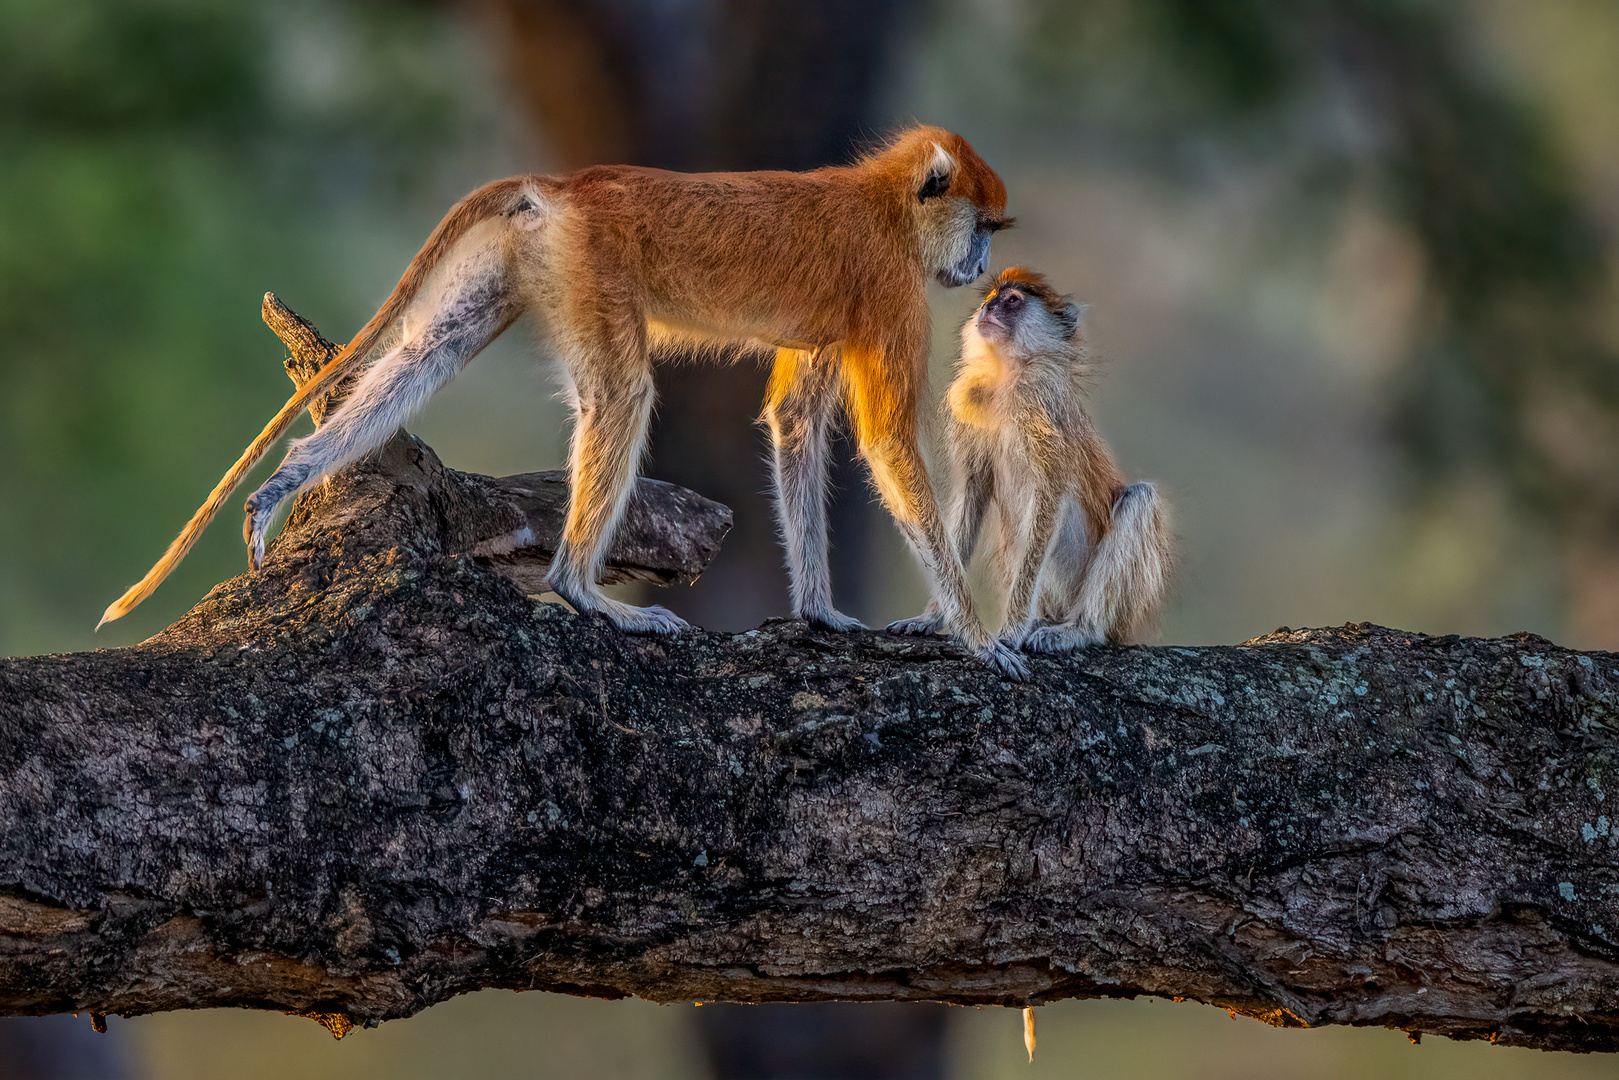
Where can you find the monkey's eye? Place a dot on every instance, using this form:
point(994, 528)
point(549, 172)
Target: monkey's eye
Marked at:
point(1013, 301)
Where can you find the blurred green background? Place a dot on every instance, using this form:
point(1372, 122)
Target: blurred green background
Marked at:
point(1351, 273)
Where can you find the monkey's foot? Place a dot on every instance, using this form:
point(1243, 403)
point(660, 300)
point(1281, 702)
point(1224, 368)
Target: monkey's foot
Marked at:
point(831, 619)
point(259, 512)
point(1004, 660)
point(931, 621)
point(1060, 638)
point(652, 619)
point(261, 507)
point(627, 617)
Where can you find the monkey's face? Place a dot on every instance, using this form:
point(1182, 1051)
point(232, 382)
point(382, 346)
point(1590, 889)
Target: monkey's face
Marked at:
point(958, 253)
point(974, 261)
point(1002, 315)
point(1023, 316)
point(962, 205)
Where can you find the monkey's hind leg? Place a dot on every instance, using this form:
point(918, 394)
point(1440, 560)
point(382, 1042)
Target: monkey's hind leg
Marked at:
point(612, 411)
point(798, 409)
point(389, 393)
point(1124, 580)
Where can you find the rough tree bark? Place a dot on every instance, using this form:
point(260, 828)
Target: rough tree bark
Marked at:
point(376, 774)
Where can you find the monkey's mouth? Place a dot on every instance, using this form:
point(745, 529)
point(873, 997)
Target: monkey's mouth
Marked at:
point(989, 325)
point(971, 267)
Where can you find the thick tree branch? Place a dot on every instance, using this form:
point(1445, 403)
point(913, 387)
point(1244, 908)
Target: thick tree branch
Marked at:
point(376, 774)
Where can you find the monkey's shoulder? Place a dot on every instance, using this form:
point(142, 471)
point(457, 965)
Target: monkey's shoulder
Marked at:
point(974, 400)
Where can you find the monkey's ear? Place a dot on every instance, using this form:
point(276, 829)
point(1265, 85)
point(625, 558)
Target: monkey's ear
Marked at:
point(1071, 317)
point(528, 213)
point(937, 179)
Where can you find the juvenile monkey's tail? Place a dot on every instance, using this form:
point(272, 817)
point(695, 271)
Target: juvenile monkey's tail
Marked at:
point(1130, 569)
point(500, 197)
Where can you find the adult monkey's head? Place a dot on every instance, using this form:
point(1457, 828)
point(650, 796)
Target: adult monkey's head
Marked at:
point(960, 204)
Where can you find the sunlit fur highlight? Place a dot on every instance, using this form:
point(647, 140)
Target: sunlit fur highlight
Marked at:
point(1083, 558)
point(828, 267)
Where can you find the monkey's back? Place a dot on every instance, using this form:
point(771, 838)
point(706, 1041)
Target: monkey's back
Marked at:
point(759, 253)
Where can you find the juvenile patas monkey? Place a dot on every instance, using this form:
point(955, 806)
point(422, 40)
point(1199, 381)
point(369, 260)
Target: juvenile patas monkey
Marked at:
point(827, 267)
point(1083, 557)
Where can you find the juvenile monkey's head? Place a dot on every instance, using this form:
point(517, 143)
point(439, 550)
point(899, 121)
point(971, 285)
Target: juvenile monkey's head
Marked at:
point(1023, 316)
point(958, 201)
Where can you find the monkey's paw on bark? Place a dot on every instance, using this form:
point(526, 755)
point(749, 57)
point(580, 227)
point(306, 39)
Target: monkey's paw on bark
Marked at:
point(1012, 639)
point(1060, 638)
point(654, 619)
point(1014, 636)
point(931, 621)
point(1004, 660)
point(832, 619)
point(998, 653)
point(254, 528)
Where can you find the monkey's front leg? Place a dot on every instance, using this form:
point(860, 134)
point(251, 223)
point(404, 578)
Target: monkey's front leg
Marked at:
point(798, 408)
point(966, 522)
point(1031, 559)
point(882, 400)
point(902, 481)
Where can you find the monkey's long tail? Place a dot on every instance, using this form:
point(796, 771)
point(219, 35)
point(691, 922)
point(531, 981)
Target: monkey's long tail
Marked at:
point(500, 197)
point(1130, 568)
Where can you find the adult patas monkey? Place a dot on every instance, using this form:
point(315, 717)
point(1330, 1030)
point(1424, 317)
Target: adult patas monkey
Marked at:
point(829, 267)
point(1083, 557)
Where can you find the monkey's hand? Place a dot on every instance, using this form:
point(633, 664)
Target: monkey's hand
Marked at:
point(931, 621)
point(1060, 638)
point(1004, 659)
point(1014, 637)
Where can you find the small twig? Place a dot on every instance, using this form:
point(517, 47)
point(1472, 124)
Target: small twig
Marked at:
point(309, 352)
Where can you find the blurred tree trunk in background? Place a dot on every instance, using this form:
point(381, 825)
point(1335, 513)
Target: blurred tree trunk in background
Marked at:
point(57, 1048)
point(699, 85)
